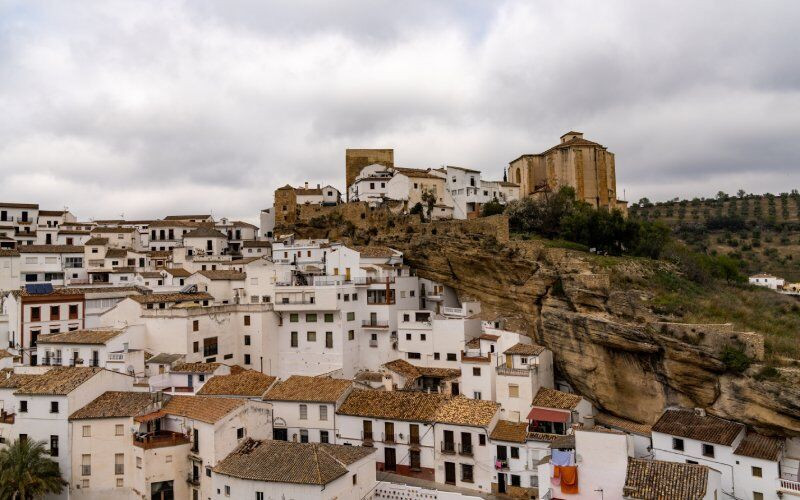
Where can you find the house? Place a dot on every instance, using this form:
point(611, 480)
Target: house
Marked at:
point(641, 434)
point(767, 281)
point(103, 444)
point(304, 408)
point(406, 376)
point(186, 377)
point(656, 479)
point(206, 240)
point(119, 237)
point(9, 268)
point(555, 412)
point(278, 469)
point(18, 220)
point(257, 248)
point(239, 383)
point(83, 347)
point(54, 264)
point(227, 287)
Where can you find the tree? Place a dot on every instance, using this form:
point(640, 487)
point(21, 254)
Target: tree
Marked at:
point(722, 196)
point(492, 208)
point(505, 176)
point(740, 193)
point(26, 472)
point(644, 202)
point(429, 198)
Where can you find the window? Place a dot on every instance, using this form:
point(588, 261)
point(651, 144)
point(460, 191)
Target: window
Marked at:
point(247, 340)
point(293, 339)
point(303, 435)
point(351, 335)
point(294, 318)
point(311, 336)
point(351, 316)
point(247, 359)
point(85, 484)
point(757, 495)
point(195, 346)
point(195, 325)
point(408, 336)
point(138, 462)
point(476, 371)
point(515, 480)
point(328, 317)
point(240, 433)
point(53, 445)
point(482, 439)
point(476, 395)
point(73, 311)
point(311, 318)
point(53, 406)
point(708, 450)
point(119, 430)
point(436, 356)
point(323, 437)
point(422, 336)
point(168, 459)
point(36, 314)
point(756, 471)
point(466, 473)
point(451, 356)
point(413, 355)
point(323, 412)
point(514, 452)
point(227, 490)
point(677, 444)
point(119, 463)
point(329, 340)
point(247, 320)
point(210, 346)
point(55, 313)
point(86, 465)
point(120, 482)
point(87, 431)
point(303, 412)
point(355, 478)
point(259, 495)
point(208, 471)
point(513, 391)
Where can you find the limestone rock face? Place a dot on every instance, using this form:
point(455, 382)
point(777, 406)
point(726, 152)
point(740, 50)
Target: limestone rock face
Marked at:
point(607, 342)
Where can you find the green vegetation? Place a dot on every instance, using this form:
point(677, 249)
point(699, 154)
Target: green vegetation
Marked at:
point(493, 207)
point(27, 472)
point(735, 360)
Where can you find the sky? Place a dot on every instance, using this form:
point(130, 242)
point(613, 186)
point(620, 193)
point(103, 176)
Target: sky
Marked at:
point(147, 108)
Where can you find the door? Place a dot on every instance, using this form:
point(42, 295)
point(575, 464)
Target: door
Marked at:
point(280, 434)
point(450, 472)
point(509, 362)
point(367, 432)
point(415, 460)
point(389, 460)
point(373, 318)
point(389, 434)
point(414, 437)
point(448, 446)
point(455, 389)
point(501, 482)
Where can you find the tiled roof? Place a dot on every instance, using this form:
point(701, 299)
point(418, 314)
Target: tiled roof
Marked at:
point(204, 232)
point(757, 445)
point(287, 462)
point(159, 254)
point(59, 380)
point(178, 272)
point(150, 274)
point(302, 388)
point(95, 241)
point(80, 337)
point(658, 480)
point(692, 425)
point(195, 367)
point(411, 372)
point(111, 230)
point(78, 291)
point(256, 244)
point(525, 349)
point(506, 430)
point(116, 253)
point(417, 173)
point(19, 205)
point(220, 274)
point(50, 249)
point(115, 404)
point(17, 380)
point(248, 383)
point(4, 252)
point(419, 407)
point(51, 213)
point(550, 398)
point(187, 217)
point(153, 298)
point(163, 358)
point(376, 252)
point(202, 408)
point(241, 223)
point(5, 354)
point(609, 420)
point(176, 223)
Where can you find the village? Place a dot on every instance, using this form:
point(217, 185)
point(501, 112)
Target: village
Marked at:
point(206, 358)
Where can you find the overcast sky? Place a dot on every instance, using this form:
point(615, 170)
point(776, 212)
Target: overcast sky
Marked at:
point(149, 108)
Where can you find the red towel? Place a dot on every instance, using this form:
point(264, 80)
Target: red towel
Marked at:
point(569, 479)
point(556, 479)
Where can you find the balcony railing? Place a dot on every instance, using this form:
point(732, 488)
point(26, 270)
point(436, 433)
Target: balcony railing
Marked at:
point(193, 479)
point(116, 356)
point(383, 280)
point(388, 438)
point(515, 372)
point(86, 470)
point(789, 485)
point(454, 311)
point(366, 436)
point(369, 323)
point(465, 449)
point(500, 463)
point(160, 439)
point(379, 302)
point(448, 447)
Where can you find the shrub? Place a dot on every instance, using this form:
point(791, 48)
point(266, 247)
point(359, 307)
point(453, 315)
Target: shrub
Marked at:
point(735, 359)
point(492, 208)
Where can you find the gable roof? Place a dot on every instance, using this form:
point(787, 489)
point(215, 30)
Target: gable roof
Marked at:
point(197, 367)
point(112, 404)
point(525, 349)
point(608, 420)
point(164, 358)
point(202, 408)
point(96, 241)
point(757, 445)
point(178, 272)
point(204, 232)
point(506, 430)
point(114, 229)
point(50, 249)
point(153, 298)
point(187, 217)
point(80, 337)
point(303, 388)
point(287, 462)
point(248, 383)
point(657, 480)
point(116, 253)
point(412, 372)
point(222, 275)
point(551, 398)
point(692, 425)
point(60, 380)
point(256, 244)
point(16, 380)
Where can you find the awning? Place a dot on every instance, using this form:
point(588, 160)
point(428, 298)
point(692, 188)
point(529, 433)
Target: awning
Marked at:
point(150, 416)
point(548, 415)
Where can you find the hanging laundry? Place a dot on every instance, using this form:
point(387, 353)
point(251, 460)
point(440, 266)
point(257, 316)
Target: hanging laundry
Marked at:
point(556, 479)
point(569, 479)
point(559, 457)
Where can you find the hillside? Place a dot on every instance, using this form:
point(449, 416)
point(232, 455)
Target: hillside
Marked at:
point(763, 231)
point(631, 334)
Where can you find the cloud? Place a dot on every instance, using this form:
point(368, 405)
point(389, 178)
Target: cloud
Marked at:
point(150, 108)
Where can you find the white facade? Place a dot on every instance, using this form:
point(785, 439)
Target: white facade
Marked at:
point(767, 281)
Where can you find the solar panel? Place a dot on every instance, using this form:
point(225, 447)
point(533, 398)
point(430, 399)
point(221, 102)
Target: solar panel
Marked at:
point(39, 288)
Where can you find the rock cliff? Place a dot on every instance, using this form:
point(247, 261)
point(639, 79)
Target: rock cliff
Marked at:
point(608, 343)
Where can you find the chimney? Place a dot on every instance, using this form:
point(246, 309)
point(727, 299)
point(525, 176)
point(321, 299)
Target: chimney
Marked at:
point(318, 186)
point(700, 412)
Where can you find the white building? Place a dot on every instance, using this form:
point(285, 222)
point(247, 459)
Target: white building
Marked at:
point(55, 264)
point(767, 281)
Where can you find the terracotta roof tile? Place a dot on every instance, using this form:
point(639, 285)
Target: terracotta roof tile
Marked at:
point(58, 380)
point(285, 462)
point(221, 274)
point(757, 445)
point(525, 349)
point(17, 380)
point(615, 422)
point(204, 232)
point(50, 249)
point(689, 424)
point(19, 205)
point(506, 430)
point(116, 404)
point(376, 252)
point(153, 298)
point(116, 253)
point(248, 383)
point(658, 480)
point(5, 252)
point(411, 372)
point(202, 408)
point(302, 388)
point(95, 241)
point(178, 272)
point(195, 367)
point(164, 358)
point(80, 337)
point(257, 244)
point(187, 217)
point(550, 398)
point(113, 230)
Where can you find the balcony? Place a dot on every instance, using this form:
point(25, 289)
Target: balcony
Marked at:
point(116, 356)
point(6, 418)
point(160, 439)
point(389, 438)
point(788, 484)
point(516, 372)
point(366, 437)
point(374, 301)
point(454, 311)
point(369, 323)
point(383, 280)
point(465, 449)
point(193, 479)
point(448, 447)
point(500, 463)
